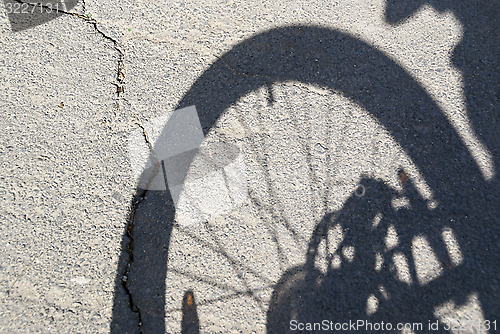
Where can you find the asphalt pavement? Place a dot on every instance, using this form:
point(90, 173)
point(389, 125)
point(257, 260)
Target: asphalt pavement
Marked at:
point(249, 167)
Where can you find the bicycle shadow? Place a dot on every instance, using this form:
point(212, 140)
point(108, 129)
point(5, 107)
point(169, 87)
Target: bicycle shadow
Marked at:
point(476, 57)
point(328, 58)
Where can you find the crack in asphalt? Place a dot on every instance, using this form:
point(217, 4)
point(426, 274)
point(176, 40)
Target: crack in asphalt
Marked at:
point(120, 72)
point(84, 6)
point(154, 155)
point(138, 198)
point(140, 194)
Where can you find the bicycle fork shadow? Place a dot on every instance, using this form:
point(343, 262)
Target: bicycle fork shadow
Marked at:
point(356, 277)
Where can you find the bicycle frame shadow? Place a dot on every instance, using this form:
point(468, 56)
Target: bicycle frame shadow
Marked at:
point(339, 294)
point(337, 61)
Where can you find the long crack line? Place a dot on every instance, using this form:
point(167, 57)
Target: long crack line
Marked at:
point(138, 198)
point(140, 194)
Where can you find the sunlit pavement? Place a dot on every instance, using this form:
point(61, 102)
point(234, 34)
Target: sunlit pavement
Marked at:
point(407, 192)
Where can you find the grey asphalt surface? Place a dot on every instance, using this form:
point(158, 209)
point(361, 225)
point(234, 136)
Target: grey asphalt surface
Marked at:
point(73, 150)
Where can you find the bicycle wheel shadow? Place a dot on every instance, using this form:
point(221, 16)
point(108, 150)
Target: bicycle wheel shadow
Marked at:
point(328, 58)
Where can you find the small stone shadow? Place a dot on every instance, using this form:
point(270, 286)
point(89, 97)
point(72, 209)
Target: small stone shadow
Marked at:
point(190, 322)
